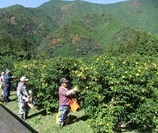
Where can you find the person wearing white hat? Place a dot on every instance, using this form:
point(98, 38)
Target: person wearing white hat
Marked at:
point(23, 98)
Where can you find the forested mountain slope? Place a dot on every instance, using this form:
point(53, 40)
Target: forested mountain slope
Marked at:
point(75, 28)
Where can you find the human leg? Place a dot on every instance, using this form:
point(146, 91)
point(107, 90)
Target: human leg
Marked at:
point(5, 93)
point(8, 94)
point(22, 110)
point(1, 89)
point(26, 111)
point(63, 115)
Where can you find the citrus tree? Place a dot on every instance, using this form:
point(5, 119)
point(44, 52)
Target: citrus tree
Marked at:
point(115, 92)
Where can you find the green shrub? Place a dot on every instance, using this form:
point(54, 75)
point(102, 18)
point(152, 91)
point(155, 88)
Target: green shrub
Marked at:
point(115, 92)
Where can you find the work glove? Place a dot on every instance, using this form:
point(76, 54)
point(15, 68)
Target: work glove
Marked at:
point(26, 99)
point(75, 89)
point(30, 92)
point(70, 92)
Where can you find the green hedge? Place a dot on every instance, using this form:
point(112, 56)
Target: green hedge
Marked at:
point(115, 92)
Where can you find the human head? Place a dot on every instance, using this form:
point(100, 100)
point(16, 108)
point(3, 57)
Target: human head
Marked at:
point(7, 70)
point(2, 73)
point(24, 79)
point(64, 82)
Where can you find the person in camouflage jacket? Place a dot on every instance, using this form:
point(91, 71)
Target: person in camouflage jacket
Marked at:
point(23, 94)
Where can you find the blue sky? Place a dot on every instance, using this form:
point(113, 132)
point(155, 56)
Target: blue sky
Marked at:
point(36, 3)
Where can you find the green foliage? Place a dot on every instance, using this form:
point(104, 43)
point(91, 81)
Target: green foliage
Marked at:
point(117, 89)
point(88, 28)
point(131, 41)
point(14, 50)
point(114, 92)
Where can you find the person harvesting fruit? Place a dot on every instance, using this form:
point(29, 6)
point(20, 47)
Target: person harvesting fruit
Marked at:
point(64, 101)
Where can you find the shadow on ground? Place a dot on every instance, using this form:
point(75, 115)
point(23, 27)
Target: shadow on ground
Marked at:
point(74, 118)
point(43, 113)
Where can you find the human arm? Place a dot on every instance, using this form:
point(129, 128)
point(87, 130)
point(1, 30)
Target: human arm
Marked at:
point(21, 93)
point(7, 77)
point(66, 92)
point(72, 91)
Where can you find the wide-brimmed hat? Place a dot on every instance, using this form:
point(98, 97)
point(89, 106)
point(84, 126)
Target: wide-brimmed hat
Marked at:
point(23, 78)
point(2, 73)
point(64, 80)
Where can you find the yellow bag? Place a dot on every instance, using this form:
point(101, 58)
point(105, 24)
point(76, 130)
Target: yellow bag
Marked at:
point(74, 106)
point(56, 120)
point(57, 116)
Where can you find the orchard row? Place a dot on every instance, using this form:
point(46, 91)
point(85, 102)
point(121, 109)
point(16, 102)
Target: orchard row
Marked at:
point(114, 91)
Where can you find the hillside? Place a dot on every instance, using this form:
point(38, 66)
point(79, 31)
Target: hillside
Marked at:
point(76, 28)
point(26, 23)
point(109, 52)
point(87, 29)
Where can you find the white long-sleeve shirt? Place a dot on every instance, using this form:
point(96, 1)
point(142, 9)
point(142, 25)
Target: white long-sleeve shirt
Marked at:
point(22, 92)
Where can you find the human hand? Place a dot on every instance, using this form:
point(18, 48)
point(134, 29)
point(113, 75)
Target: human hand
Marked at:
point(13, 77)
point(26, 99)
point(76, 88)
point(30, 92)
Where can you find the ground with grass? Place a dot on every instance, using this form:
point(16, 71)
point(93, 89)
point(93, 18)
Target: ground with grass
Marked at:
point(43, 123)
